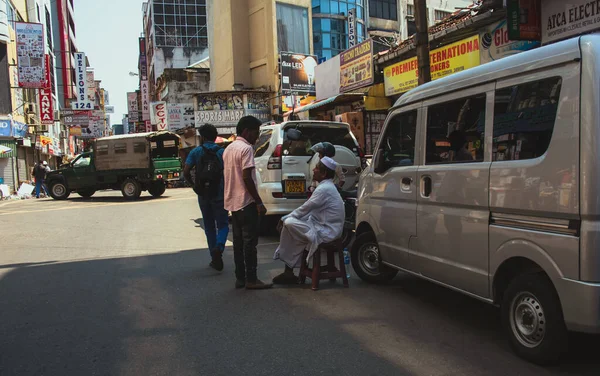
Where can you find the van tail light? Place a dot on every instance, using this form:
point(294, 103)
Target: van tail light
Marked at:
point(361, 152)
point(275, 159)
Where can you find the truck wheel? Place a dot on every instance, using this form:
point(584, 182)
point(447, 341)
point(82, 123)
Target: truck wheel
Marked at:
point(86, 193)
point(157, 188)
point(533, 319)
point(131, 189)
point(366, 260)
point(59, 191)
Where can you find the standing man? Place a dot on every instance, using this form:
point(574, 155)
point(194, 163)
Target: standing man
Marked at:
point(39, 174)
point(207, 159)
point(242, 199)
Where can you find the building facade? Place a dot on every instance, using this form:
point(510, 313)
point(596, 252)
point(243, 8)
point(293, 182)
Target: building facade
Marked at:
point(176, 36)
point(330, 25)
point(64, 47)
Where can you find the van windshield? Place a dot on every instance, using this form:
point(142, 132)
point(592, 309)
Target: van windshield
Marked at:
point(313, 134)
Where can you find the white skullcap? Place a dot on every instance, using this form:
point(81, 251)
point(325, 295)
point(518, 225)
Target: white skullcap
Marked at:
point(329, 163)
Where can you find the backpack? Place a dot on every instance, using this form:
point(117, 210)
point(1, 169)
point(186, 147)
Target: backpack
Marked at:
point(209, 173)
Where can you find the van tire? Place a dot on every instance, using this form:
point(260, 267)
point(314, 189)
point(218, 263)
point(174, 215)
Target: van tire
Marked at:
point(366, 260)
point(531, 305)
point(86, 193)
point(157, 188)
point(131, 189)
point(59, 190)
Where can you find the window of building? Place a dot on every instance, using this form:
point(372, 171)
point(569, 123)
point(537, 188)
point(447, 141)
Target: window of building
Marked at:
point(455, 131)
point(120, 148)
point(262, 144)
point(398, 142)
point(440, 15)
point(292, 28)
point(524, 117)
point(385, 9)
point(410, 10)
point(181, 24)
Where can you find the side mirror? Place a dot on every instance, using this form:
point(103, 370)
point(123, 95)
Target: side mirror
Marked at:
point(378, 162)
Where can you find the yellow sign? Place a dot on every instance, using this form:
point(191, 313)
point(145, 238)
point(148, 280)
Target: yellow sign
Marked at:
point(452, 58)
point(288, 101)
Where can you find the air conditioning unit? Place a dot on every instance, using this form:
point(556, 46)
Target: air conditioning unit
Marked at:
point(30, 108)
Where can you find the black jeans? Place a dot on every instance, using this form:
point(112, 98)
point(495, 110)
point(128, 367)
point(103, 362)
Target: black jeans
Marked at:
point(245, 239)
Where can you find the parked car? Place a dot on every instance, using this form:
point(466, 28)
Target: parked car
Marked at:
point(281, 163)
point(487, 182)
point(131, 163)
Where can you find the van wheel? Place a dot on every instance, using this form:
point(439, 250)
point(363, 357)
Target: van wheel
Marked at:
point(157, 188)
point(366, 260)
point(59, 191)
point(533, 319)
point(131, 189)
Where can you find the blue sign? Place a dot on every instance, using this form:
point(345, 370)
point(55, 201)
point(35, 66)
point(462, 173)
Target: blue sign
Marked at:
point(5, 128)
point(19, 129)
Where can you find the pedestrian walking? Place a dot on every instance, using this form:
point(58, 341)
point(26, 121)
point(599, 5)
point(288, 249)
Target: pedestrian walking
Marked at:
point(244, 202)
point(39, 174)
point(207, 160)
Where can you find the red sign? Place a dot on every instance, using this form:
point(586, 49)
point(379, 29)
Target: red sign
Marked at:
point(46, 108)
point(158, 116)
point(148, 126)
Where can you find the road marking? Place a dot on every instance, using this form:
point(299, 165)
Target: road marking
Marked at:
point(96, 205)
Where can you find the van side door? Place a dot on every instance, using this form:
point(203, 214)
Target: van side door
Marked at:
point(394, 190)
point(453, 201)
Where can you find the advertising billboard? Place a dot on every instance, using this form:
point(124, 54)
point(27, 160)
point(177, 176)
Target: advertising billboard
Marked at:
point(73, 118)
point(297, 73)
point(132, 107)
point(31, 53)
point(82, 102)
point(180, 116)
point(564, 20)
point(455, 57)
point(158, 116)
point(495, 43)
point(145, 100)
point(523, 18)
point(356, 67)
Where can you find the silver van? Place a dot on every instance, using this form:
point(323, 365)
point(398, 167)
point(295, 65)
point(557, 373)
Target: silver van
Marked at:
point(488, 182)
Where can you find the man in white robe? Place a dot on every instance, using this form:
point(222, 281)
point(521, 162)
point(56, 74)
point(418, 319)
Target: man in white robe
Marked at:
point(319, 220)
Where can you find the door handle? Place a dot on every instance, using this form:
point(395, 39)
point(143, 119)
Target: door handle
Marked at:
point(407, 181)
point(290, 161)
point(425, 186)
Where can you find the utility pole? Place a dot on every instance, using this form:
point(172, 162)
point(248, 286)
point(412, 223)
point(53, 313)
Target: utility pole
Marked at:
point(422, 41)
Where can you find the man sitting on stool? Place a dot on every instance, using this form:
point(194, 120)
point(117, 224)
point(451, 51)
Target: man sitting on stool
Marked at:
point(319, 220)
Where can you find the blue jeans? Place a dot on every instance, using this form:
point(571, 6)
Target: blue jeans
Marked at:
point(216, 222)
point(39, 185)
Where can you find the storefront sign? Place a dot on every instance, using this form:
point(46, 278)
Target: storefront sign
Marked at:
point(262, 115)
point(218, 118)
point(109, 109)
point(132, 107)
point(46, 109)
point(356, 67)
point(452, 58)
point(143, 60)
point(19, 129)
point(563, 20)
point(5, 128)
point(298, 73)
point(82, 102)
point(71, 118)
point(495, 43)
point(523, 18)
point(75, 130)
point(30, 54)
point(180, 116)
point(288, 101)
point(351, 27)
point(145, 100)
point(158, 116)
point(91, 86)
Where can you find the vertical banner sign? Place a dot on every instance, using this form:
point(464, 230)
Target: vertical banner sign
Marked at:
point(143, 60)
point(524, 19)
point(297, 73)
point(82, 102)
point(351, 27)
point(45, 95)
point(148, 126)
point(158, 116)
point(91, 86)
point(145, 100)
point(30, 54)
point(132, 107)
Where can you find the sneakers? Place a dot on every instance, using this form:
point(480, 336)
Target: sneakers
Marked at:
point(286, 279)
point(257, 285)
point(217, 260)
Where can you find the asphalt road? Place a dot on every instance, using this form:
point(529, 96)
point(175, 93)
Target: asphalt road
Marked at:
point(107, 287)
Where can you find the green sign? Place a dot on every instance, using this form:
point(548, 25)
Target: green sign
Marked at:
point(523, 19)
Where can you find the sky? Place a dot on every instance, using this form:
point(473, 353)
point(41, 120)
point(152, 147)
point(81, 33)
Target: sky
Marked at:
point(108, 31)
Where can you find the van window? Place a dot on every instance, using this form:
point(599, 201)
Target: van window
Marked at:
point(312, 135)
point(120, 148)
point(139, 147)
point(455, 131)
point(524, 117)
point(262, 144)
point(398, 143)
point(102, 149)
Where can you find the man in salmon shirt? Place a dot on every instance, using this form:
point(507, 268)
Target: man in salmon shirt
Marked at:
point(243, 201)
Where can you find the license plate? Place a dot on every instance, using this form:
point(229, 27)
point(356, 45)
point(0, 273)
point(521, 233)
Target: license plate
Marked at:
point(295, 186)
point(170, 176)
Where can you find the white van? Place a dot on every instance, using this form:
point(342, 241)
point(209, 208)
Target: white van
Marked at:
point(487, 182)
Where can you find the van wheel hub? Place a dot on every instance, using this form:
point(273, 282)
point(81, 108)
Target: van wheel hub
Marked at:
point(528, 321)
point(58, 189)
point(129, 189)
point(369, 259)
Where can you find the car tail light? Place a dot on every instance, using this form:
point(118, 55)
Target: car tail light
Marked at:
point(277, 194)
point(275, 159)
point(159, 176)
point(176, 174)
